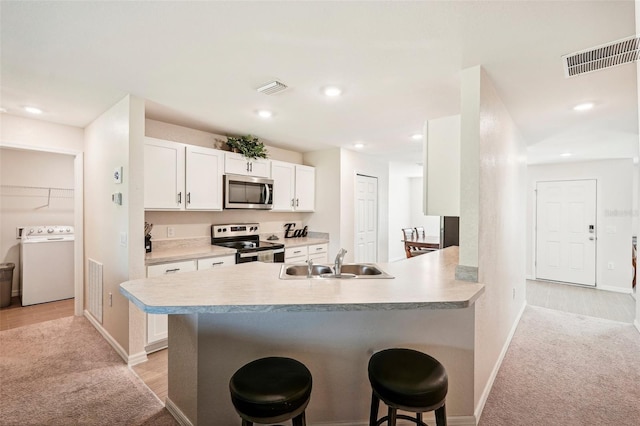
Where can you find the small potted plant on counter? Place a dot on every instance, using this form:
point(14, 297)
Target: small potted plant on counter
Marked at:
point(249, 146)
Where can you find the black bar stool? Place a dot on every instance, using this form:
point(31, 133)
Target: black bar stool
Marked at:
point(271, 390)
point(408, 380)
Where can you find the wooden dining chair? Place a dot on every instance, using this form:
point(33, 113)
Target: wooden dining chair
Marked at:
point(420, 232)
point(410, 250)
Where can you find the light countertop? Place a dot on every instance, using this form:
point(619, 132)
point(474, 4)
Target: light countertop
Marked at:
point(422, 282)
point(186, 253)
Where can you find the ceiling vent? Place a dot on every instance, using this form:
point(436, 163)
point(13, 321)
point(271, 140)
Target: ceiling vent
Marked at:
point(607, 55)
point(272, 87)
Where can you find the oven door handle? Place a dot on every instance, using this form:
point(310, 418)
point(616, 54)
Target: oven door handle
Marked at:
point(256, 253)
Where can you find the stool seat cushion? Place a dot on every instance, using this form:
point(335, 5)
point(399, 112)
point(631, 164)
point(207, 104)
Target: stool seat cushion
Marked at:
point(269, 387)
point(406, 377)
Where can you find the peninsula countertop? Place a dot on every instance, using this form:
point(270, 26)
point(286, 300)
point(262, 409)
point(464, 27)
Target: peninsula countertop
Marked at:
point(423, 282)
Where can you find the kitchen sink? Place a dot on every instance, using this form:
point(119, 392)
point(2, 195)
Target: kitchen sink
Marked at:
point(349, 270)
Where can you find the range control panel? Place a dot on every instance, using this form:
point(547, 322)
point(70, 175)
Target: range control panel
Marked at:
point(234, 230)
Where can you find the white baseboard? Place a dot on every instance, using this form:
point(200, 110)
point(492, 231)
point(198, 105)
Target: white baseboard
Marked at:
point(177, 413)
point(496, 367)
point(129, 359)
point(615, 289)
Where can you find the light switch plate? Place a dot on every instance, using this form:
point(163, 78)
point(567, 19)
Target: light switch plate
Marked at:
point(117, 175)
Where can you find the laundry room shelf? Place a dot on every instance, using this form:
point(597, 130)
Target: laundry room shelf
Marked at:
point(36, 191)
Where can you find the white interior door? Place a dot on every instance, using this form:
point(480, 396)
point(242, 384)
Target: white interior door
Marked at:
point(366, 244)
point(566, 231)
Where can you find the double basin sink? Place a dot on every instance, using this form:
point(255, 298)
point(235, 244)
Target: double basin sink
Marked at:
point(349, 270)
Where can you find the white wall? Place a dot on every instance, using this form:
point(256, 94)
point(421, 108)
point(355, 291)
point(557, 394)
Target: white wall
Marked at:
point(29, 206)
point(351, 164)
point(400, 211)
point(431, 224)
point(613, 218)
point(499, 209)
point(116, 139)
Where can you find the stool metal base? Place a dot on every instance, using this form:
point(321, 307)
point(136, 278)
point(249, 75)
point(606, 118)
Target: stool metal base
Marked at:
point(392, 415)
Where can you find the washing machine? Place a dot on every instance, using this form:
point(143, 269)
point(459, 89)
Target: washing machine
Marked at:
point(46, 264)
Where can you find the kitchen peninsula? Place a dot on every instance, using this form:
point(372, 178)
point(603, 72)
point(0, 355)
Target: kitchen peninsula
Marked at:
point(221, 319)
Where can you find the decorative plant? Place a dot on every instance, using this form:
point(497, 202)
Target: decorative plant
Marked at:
point(249, 146)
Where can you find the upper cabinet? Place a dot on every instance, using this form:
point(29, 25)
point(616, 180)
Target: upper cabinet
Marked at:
point(442, 167)
point(182, 177)
point(238, 164)
point(293, 187)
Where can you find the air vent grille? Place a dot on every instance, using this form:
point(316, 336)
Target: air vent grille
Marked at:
point(272, 87)
point(608, 55)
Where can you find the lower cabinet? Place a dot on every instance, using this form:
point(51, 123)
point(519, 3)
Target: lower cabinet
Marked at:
point(316, 252)
point(157, 324)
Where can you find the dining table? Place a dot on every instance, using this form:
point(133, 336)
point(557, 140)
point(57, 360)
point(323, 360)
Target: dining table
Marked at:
point(416, 245)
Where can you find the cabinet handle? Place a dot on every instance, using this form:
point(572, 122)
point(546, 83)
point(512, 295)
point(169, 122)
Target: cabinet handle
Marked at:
point(319, 248)
point(297, 202)
point(188, 198)
point(179, 197)
point(297, 251)
point(169, 271)
point(217, 263)
point(292, 202)
point(251, 166)
point(248, 170)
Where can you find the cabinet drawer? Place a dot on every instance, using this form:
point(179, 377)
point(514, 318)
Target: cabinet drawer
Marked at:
point(296, 252)
point(171, 268)
point(216, 262)
point(319, 257)
point(318, 248)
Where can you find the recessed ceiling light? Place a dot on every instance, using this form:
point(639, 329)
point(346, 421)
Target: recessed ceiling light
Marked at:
point(265, 113)
point(332, 91)
point(565, 154)
point(417, 137)
point(33, 110)
point(358, 145)
point(583, 107)
point(3, 110)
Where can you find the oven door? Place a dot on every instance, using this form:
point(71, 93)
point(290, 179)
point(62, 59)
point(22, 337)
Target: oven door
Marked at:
point(267, 256)
point(247, 192)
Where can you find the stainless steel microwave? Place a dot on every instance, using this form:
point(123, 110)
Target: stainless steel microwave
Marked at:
point(247, 192)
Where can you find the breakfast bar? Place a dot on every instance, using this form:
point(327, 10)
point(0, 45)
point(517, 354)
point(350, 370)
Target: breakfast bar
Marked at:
point(221, 319)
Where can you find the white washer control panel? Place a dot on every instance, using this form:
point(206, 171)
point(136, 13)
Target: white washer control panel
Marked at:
point(44, 230)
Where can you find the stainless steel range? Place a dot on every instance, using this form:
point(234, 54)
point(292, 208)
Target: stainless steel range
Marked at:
point(245, 238)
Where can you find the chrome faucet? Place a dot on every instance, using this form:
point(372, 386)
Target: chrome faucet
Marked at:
point(309, 267)
point(337, 267)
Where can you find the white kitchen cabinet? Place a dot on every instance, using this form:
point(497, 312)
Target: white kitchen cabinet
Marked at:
point(182, 177)
point(293, 186)
point(157, 324)
point(296, 254)
point(238, 164)
point(163, 174)
point(204, 170)
point(318, 253)
point(216, 262)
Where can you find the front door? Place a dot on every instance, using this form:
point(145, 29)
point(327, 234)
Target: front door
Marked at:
point(566, 231)
point(366, 243)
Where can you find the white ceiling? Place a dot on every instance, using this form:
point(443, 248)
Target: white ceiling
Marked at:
point(199, 63)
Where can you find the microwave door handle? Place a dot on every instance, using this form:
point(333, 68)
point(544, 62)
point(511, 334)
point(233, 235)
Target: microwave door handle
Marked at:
point(267, 193)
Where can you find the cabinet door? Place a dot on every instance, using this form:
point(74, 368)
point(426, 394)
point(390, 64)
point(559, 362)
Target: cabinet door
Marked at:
point(158, 324)
point(283, 175)
point(260, 168)
point(216, 262)
point(305, 188)
point(204, 178)
point(163, 175)
point(239, 165)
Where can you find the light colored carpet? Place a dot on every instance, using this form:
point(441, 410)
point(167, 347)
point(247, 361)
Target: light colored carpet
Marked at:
point(63, 372)
point(567, 369)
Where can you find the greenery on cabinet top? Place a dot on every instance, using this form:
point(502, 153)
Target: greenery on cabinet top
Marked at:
point(249, 146)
